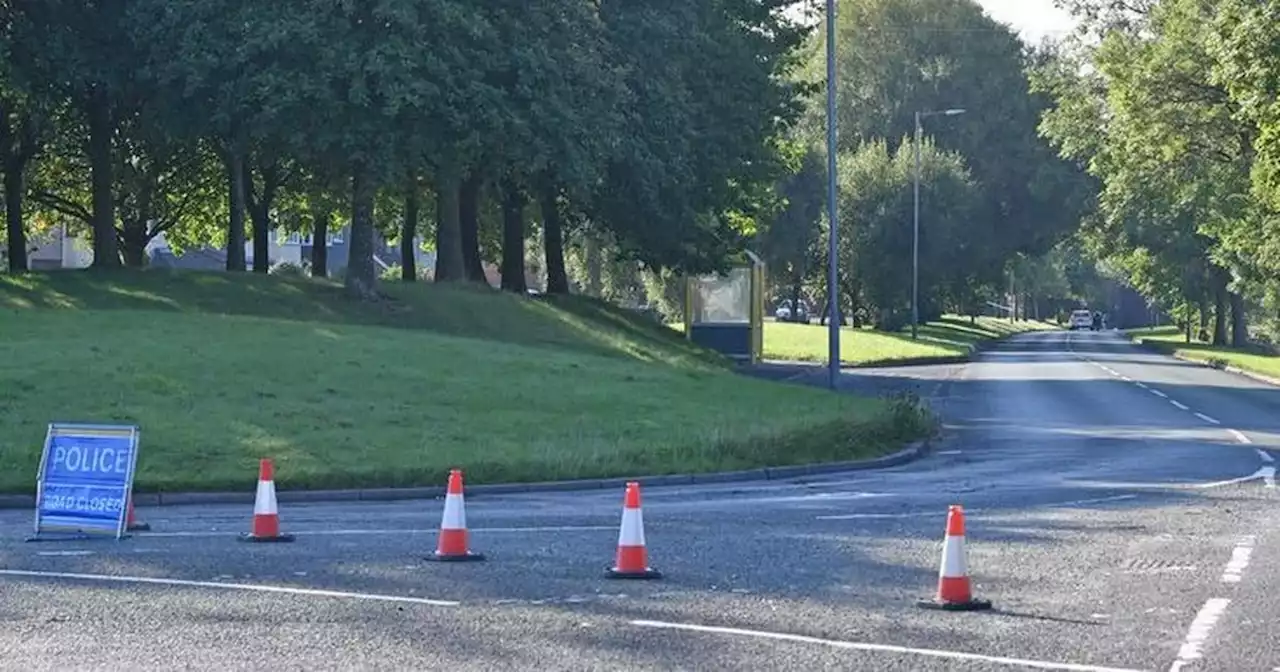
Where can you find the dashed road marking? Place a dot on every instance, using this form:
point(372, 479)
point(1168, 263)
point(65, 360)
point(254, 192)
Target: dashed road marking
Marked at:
point(1239, 560)
point(1201, 627)
point(1239, 436)
point(1179, 405)
point(180, 583)
point(1158, 393)
point(1142, 385)
point(1212, 421)
point(1266, 456)
point(881, 648)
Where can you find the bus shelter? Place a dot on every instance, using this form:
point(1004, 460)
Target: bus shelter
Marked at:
point(725, 312)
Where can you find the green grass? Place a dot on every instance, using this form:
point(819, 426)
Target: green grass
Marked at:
point(344, 394)
point(1173, 341)
point(948, 339)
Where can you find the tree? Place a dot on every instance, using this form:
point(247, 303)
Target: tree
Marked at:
point(788, 242)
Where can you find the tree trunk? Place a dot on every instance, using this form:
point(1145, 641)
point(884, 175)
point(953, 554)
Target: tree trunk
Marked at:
point(261, 238)
point(553, 241)
point(235, 227)
point(795, 300)
point(133, 244)
point(469, 223)
point(1239, 325)
point(409, 233)
point(450, 266)
point(361, 278)
point(106, 250)
point(513, 234)
point(14, 189)
point(1220, 315)
point(319, 240)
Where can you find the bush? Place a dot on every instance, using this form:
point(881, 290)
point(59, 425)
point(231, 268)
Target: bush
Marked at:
point(290, 269)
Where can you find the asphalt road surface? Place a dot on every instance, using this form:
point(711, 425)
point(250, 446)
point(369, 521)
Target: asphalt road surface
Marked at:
point(1120, 509)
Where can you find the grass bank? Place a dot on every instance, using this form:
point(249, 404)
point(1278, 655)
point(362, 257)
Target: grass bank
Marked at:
point(219, 371)
point(950, 338)
point(1172, 341)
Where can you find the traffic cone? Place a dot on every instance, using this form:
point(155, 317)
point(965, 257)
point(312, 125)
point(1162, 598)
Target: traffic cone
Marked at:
point(266, 519)
point(452, 545)
point(954, 592)
point(632, 560)
point(131, 523)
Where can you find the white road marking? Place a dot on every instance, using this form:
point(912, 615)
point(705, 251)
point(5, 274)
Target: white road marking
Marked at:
point(180, 583)
point(1126, 379)
point(1180, 405)
point(1239, 560)
point(970, 512)
point(1240, 437)
point(883, 648)
point(321, 533)
point(1199, 633)
point(1158, 393)
point(1212, 421)
point(1267, 474)
point(1142, 385)
point(949, 452)
point(64, 553)
point(1266, 457)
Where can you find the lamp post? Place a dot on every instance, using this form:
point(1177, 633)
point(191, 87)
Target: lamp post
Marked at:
point(915, 234)
point(833, 302)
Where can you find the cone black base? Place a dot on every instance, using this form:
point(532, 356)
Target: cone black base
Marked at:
point(281, 538)
point(971, 605)
point(469, 556)
point(614, 573)
point(140, 527)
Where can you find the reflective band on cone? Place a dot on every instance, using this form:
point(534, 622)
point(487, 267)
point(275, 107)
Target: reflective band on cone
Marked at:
point(452, 545)
point(266, 519)
point(632, 559)
point(130, 523)
point(954, 591)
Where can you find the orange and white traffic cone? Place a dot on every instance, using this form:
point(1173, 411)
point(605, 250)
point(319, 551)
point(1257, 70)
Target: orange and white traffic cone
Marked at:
point(131, 523)
point(954, 591)
point(266, 517)
point(452, 545)
point(632, 560)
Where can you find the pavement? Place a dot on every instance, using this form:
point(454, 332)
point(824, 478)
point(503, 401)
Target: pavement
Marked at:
point(1120, 514)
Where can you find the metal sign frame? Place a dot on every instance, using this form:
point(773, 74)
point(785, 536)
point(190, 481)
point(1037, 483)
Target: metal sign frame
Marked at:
point(61, 429)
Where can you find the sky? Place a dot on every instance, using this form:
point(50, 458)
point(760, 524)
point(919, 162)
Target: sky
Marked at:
point(1033, 19)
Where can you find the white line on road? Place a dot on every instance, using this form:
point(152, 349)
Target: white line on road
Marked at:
point(1239, 436)
point(1266, 457)
point(1180, 405)
point(1212, 421)
point(1267, 474)
point(1158, 393)
point(1126, 379)
point(1239, 560)
point(64, 553)
point(883, 648)
point(1199, 633)
point(322, 533)
point(310, 592)
point(1142, 385)
point(972, 512)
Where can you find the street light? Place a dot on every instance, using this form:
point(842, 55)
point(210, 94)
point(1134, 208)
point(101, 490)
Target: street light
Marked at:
point(833, 303)
point(915, 235)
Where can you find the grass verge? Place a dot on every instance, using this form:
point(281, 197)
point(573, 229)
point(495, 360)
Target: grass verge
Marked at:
point(342, 394)
point(1171, 340)
point(949, 339)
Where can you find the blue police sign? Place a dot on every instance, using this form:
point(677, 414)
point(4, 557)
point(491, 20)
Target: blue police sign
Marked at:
point(86, 476)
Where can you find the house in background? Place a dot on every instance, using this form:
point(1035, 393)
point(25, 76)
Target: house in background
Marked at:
point(58, 249)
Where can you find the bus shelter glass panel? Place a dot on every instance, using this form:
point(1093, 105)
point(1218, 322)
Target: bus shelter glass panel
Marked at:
point(721, 315)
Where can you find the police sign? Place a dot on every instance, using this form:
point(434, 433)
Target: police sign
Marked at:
point(86, 476)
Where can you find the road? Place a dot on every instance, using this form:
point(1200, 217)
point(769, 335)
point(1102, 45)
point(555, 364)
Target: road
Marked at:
point(1120, 516)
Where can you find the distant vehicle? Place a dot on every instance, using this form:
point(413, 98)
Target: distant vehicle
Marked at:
point(1080, 319)
point(784, 313)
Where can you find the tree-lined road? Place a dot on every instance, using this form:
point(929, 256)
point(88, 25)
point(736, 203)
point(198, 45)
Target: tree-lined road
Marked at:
point(1104, 520)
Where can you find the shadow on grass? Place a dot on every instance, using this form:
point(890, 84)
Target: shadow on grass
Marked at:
point(475, 311)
